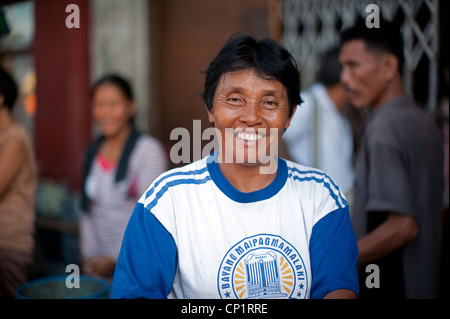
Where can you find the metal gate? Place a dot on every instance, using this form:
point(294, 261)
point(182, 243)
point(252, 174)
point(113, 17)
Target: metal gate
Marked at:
point(312, 26)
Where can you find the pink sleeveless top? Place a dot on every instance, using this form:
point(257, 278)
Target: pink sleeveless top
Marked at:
point(17, 212)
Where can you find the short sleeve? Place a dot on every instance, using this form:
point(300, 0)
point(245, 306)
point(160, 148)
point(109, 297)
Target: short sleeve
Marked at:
point(388, 181)
point(148, 259)
point(334, 254)
point(151, 162)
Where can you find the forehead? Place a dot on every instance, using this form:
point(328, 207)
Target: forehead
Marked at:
point(109, 91)
point(248, 80)
point(107, 88)
point(355, 50)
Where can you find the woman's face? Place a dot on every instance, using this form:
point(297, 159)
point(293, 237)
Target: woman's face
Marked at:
point(251, 114)
point(111, 110)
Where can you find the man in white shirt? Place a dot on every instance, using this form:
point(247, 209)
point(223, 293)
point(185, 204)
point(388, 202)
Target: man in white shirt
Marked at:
point(320, 135)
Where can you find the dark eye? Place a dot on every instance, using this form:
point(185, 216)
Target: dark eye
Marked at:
point(271, 103)
point(234, 101)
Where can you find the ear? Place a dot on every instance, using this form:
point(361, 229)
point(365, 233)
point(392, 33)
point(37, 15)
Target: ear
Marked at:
point(288, 123)
point(2, 99)
point(210, 114)
point(389, 66)
point(132, 105)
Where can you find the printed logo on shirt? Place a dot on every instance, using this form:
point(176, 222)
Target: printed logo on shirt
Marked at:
point(262, 266)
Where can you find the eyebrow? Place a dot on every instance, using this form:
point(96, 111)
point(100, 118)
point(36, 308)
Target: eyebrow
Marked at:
point(240, 89)
point(271, 92)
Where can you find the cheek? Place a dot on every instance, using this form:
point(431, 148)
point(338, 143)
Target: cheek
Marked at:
point(98, 113)
point(223, 118)
point(121, 113)
point(280, 120)
point(367, 77)
point(373, 86)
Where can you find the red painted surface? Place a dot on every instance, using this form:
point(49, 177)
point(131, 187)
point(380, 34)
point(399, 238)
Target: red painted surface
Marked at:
point(63, 118)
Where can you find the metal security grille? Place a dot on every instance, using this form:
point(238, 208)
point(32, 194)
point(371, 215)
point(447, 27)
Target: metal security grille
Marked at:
point(312, 26)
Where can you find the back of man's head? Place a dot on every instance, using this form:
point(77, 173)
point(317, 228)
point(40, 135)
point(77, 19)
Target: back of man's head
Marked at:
point(330, 68)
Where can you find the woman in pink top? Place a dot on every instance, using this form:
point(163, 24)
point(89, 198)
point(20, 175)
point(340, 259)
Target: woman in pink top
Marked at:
point(118, 167)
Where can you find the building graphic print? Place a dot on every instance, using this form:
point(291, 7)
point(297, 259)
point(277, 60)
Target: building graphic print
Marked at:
point(262, 266)
point(263, 276)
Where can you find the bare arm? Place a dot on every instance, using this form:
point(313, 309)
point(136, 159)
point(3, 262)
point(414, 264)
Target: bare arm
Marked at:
point(395, 232)
point(12, 155)
point(340, 294)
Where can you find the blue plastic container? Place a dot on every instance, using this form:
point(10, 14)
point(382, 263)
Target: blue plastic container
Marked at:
point(54, 287)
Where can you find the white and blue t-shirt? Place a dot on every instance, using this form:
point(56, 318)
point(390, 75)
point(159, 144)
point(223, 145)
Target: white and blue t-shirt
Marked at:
point(193, 235)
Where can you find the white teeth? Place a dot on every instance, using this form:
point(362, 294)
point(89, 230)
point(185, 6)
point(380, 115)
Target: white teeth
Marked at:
point(249, 136)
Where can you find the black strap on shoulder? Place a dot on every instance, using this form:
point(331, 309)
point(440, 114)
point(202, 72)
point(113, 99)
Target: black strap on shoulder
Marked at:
point(121, 172)
point(126, 153)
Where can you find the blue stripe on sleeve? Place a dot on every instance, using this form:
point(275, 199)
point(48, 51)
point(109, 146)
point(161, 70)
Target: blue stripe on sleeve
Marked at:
point(334, 254)
point(148, 259)
point(176, 173)
point(166, 187)
point(320, 179)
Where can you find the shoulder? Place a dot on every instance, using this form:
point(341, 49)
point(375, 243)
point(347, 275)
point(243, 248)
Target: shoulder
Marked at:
point(318, 91)
point(149, 146)
point(195, 173)
point(148, 142)
point(15, 132)
point(398, 122)
point(15, 140)
point(315, 183)
point(304, 173)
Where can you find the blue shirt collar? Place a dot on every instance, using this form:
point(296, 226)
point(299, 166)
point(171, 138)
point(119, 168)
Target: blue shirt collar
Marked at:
point(230, 191)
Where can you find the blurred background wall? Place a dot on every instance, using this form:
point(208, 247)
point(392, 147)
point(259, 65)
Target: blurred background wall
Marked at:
point(163, 45)
point(160, 45)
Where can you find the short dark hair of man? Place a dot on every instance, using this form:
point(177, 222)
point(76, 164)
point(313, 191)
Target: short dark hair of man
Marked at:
point(386, 38)
point(330, 68)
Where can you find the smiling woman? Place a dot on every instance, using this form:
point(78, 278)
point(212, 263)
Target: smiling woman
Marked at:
point(223, 228)
point(253, 92)
point(256, 110)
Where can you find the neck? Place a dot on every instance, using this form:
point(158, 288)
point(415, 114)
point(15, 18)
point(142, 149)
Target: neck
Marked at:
point(246, 178)
point(6, 118)
point(113, 144)
point(394, 89)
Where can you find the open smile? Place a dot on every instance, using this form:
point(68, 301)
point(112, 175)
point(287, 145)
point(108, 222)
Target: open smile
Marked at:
point(249, 136)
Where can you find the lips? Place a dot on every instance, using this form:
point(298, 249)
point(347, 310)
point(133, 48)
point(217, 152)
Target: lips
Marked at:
point(350, 90)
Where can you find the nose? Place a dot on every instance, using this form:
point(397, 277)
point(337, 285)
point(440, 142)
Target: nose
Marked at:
point(345, 75)
point(250, 114)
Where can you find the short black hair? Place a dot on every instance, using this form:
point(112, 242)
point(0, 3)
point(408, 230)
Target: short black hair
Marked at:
point(120, 82)
point(268, 58)
point(386, 38)
point(330, 68)
point(8, 88)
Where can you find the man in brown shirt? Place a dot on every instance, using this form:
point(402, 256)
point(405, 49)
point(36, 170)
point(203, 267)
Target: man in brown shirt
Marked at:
point(399, 172)
point(18, 181)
